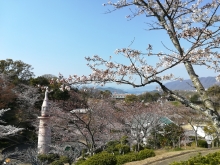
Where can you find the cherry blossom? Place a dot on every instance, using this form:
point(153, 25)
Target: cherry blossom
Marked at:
point(8, 129)
point(193, 22)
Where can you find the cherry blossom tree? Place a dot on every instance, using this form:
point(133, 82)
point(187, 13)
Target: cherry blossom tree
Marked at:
point(182, 115)
point(138, 120)
point(27, 96)
point(82, 119)
point(7, 130)
point(18, 71)
point(20, 99)
point(7, 96)
point(193, 29)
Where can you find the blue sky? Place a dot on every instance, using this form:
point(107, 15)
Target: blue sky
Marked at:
point(54, 36)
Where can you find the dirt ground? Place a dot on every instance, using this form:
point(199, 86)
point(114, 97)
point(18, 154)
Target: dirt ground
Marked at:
point(168, 157)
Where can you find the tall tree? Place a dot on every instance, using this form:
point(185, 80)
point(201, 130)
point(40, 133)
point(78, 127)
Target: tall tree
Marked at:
point(88, 125)
point(21, 99)
point(138, 119)
point(7, 96)
point(192, 28)
point(171, 135)
point(17, 70)
point(184, 115)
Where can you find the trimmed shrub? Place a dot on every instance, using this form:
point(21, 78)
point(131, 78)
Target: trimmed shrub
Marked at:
point(202, 143)
point(48, 157)
point(122, 159)
point(146, 153)
point(98, 150)
point(134, 156)
point(103, 158)
point(64, 159)
point(57, 162)
point(61, 161)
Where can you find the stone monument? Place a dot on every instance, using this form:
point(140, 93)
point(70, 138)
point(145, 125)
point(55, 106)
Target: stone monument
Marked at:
point(44, 134)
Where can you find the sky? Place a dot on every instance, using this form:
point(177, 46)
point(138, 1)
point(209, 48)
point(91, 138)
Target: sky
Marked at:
point(54, 36)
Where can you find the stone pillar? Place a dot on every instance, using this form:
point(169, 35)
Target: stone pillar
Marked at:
point(44, 134)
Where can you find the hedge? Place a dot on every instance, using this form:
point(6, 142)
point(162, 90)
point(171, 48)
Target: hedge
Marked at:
point(135, 156)
point(122, 159)
point(146, 153)
point(48, 157)
point(103, 158)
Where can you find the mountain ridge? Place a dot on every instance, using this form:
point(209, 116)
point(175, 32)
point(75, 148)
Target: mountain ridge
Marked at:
point(187, 84)
point(173, 85)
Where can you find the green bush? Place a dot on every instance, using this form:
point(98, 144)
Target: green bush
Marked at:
point(123, 149)
point(61, 161)
point(64, 159)
point(216, 142)
point(202, 143)
point(103, 158)
point(134, 156)
point(57, 162)
point(98, 150)
point(111, 146)
point(124, 140)
point(122, 159)
point(48, 157)
point(146, 153)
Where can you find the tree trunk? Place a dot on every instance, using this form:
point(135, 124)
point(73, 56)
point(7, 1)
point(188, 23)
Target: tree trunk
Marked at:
point(209, 109)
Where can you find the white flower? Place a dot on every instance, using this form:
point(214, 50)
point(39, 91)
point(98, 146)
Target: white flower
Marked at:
point(218, 78)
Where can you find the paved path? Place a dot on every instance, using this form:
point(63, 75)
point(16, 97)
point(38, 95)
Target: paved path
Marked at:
point(167, 158)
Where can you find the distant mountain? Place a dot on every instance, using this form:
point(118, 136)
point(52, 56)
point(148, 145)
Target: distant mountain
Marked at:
point(174, 85)
point(129, 90)
point(140, 90)
point(112, 90)
point(187, 84)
